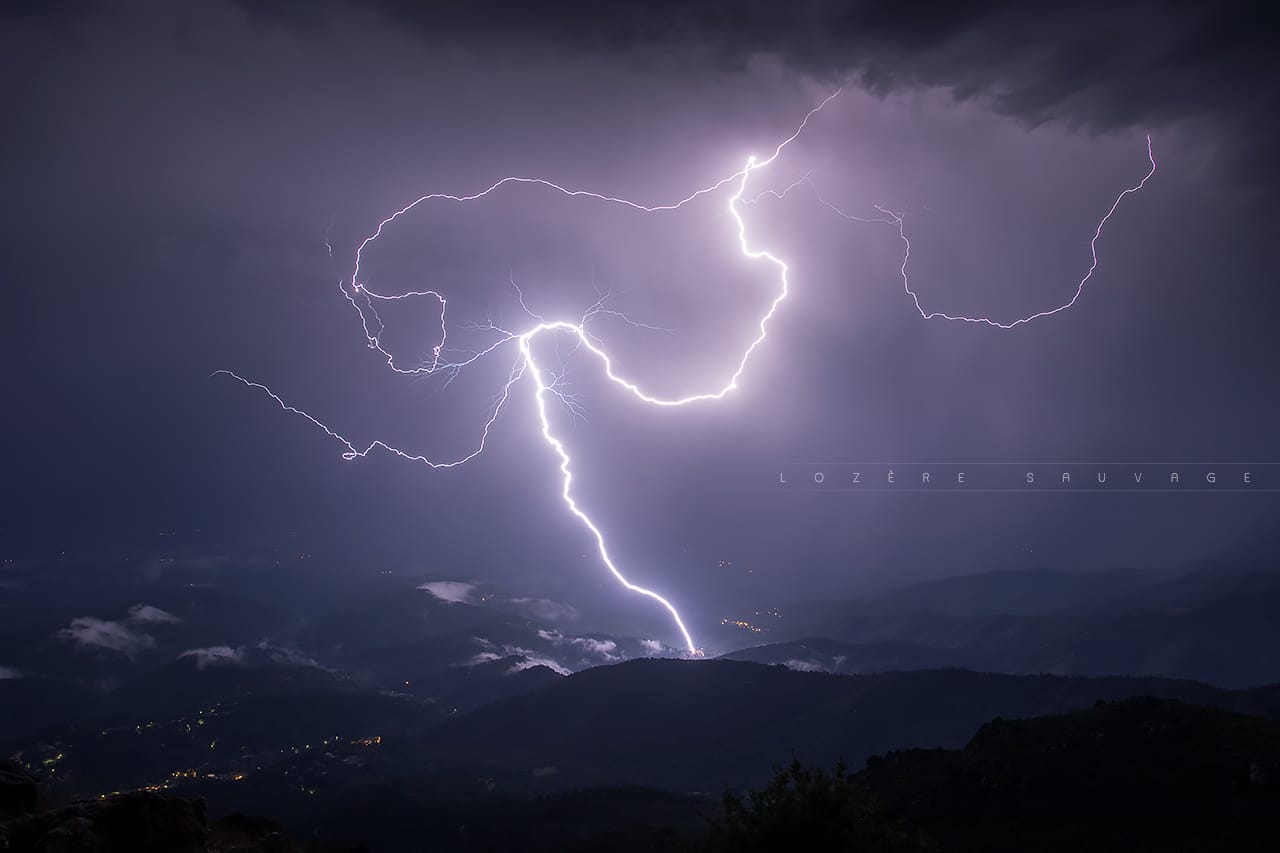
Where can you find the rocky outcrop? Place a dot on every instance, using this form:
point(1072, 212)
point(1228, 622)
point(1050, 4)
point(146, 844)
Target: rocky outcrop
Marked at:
point(137, 822)
point(18, 790)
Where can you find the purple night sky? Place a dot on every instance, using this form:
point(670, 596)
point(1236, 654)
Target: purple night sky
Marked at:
point(172, 177)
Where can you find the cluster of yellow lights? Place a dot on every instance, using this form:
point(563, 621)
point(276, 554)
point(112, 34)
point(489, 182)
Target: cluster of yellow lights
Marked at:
point(191, 773)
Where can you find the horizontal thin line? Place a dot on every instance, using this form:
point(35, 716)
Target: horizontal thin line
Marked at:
point(958, 491)
point(1031, 463)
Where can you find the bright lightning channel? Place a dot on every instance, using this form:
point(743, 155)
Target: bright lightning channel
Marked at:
point(365, 300)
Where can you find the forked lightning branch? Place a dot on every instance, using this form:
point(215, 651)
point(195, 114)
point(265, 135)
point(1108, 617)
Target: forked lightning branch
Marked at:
point(517, 345)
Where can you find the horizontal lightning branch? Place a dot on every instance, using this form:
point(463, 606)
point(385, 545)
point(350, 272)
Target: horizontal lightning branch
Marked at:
point(889, 217)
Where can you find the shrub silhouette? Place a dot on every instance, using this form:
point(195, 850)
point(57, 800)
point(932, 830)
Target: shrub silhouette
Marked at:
point(806, 808)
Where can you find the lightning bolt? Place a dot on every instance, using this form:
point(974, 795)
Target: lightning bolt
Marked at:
point(895, 219)
point(547, 384)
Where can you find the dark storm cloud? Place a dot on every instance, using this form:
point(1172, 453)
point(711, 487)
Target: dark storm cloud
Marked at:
point(1099, 64)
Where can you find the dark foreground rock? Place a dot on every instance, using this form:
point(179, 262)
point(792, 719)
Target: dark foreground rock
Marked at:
point(140, 822)
point(1144, 774)
point(18, 790)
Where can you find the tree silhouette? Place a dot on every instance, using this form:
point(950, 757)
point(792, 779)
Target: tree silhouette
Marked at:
point(806, 808)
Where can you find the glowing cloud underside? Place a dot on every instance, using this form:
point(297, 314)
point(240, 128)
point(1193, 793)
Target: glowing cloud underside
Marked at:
point(546, 384)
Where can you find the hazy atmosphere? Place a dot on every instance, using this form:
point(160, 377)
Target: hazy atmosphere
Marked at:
point(689, 255)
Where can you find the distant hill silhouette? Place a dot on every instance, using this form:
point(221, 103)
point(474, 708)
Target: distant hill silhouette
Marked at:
point(697, 725)
point(1214, 625)
point(1015, 591)
point(1138, 775)
point(819, 654)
